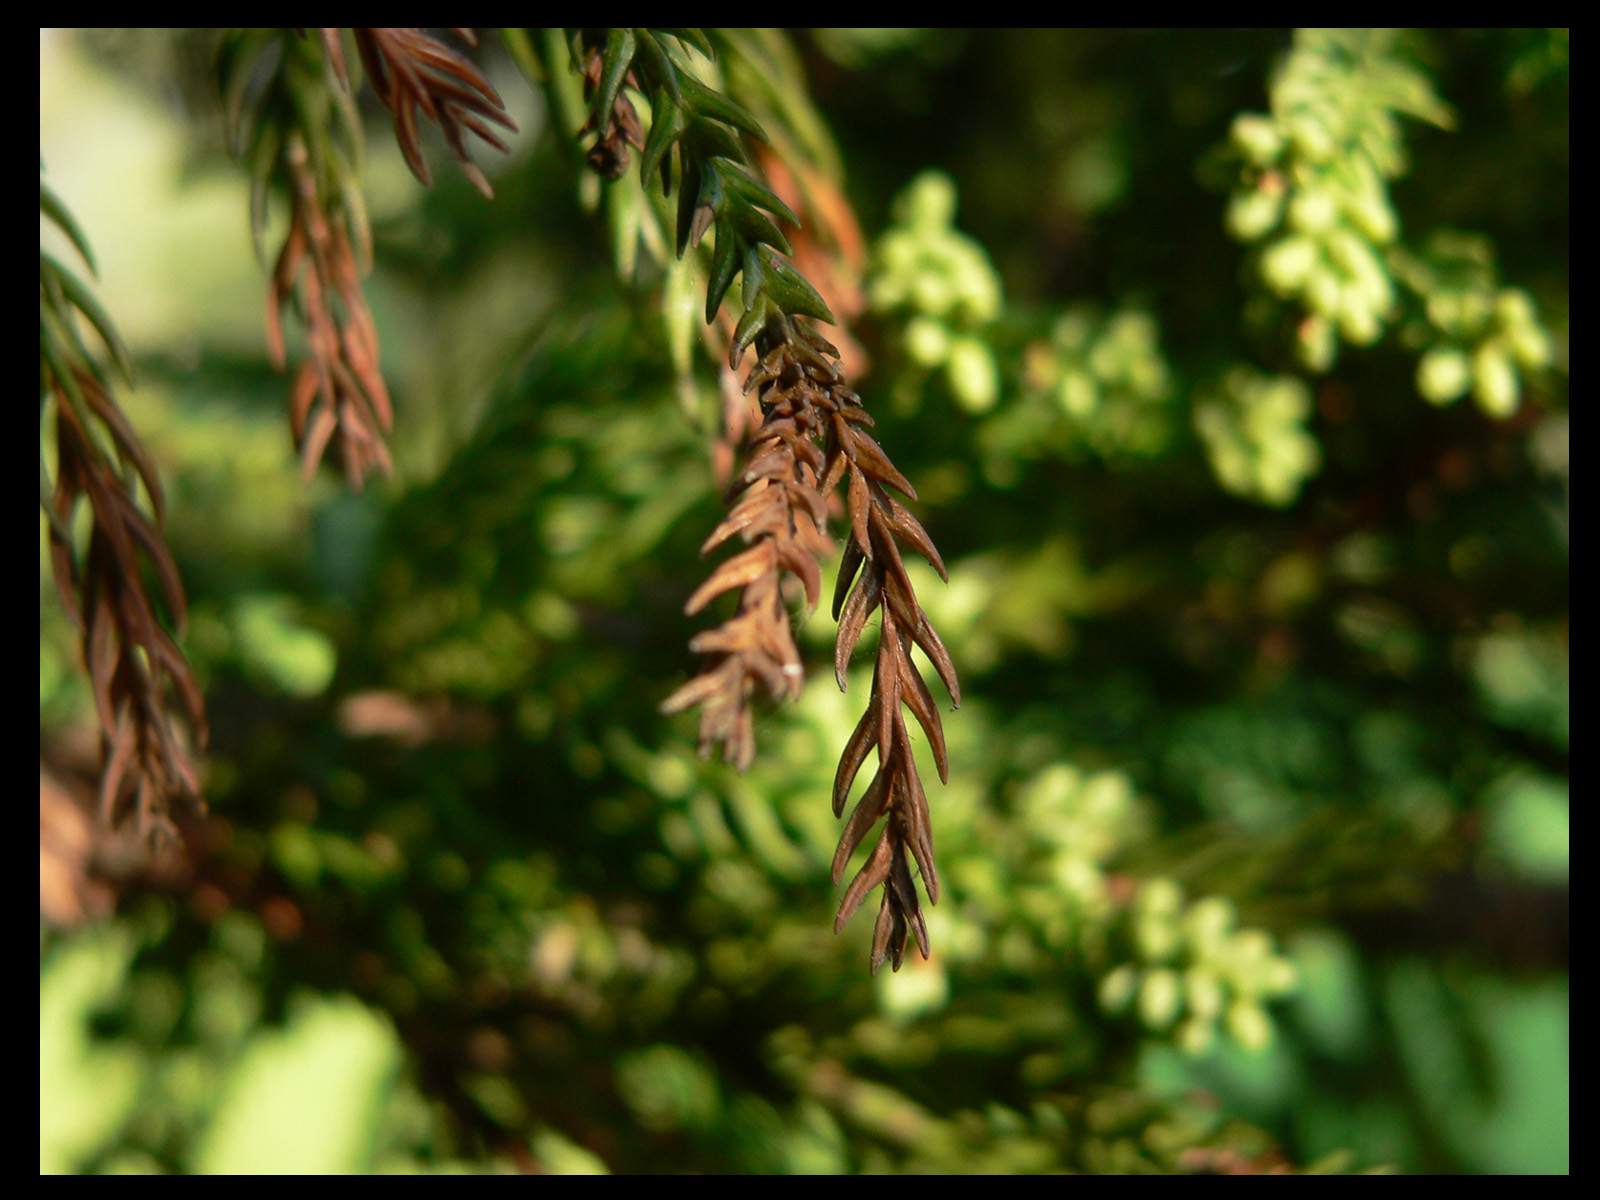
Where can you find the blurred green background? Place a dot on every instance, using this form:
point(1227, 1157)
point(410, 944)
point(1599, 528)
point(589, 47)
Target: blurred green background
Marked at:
point(1231, 369)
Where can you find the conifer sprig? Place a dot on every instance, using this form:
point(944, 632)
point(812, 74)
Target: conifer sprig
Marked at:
point(339, 395)
point(777, 509)
point(135, 667)
point(802, 371)
point(291, 116)
point(413, 71)
point(779, 501)
point(717, 189)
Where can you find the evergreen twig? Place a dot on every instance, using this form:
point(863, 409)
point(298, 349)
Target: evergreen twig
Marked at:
point(779, 502)
point(411, 71)
point(339, 395)
point(290, 114)
point(132, 661)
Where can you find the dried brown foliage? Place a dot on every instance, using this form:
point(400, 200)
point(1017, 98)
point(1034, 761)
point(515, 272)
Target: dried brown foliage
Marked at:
point(610, 155)
point(339, 396)
point(133, 663)
point(779, 510)
point(411, 72)
point(296, 126)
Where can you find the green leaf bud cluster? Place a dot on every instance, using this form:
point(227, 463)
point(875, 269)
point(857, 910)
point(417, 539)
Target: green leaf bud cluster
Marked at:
point(1052, 883)
point(1193, 970)
point(1311, 190)
point(669, 1089)
point(1108, 378)
point(1479, 336)
point(1253, 429)
point(943, 285)
point(1082, 820)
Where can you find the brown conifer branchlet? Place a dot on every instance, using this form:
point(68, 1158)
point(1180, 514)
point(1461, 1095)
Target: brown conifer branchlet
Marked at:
point(135, 667)
point(291, 115)
point(339, 395)
point(780, 509)
point(414, 72)
point(810, 439)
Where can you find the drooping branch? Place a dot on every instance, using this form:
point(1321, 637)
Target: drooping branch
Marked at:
point(780, 502)
point(142, 685)
point(779, 513)
point(339, 396)
point(132, 660)
point(291, 117)
point(411, 72)
point(873, 578)
point(811, 438)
